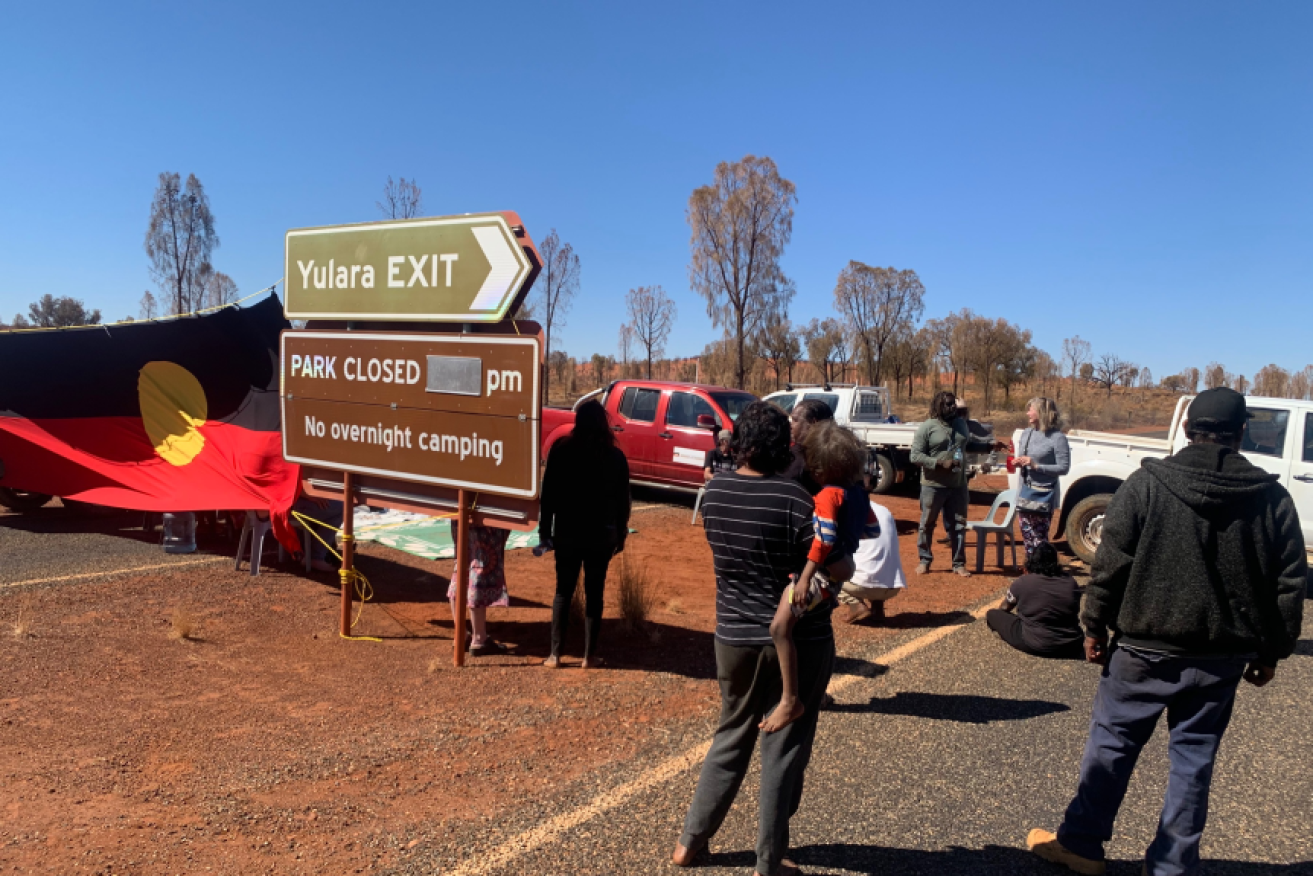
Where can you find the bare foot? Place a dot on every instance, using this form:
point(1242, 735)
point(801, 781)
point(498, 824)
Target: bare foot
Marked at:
point(552, 662)
point(784, 714)
point(787, 868)
point(684, 856)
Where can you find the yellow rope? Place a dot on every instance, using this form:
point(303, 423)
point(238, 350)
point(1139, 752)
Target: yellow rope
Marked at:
point(353, 577)
point(139, 321)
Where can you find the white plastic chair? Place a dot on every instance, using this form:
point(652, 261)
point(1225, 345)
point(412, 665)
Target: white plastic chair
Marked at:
point(256, 529)
point(984, 528)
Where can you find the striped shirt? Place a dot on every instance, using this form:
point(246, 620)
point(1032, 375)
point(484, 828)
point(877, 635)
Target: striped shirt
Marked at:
point(759, 529)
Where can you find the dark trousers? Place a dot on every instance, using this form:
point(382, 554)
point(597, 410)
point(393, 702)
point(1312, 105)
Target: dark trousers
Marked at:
point(1135, 689)
point(1012, 630)
point(569, 561)
point(750, 686)
point(952, 503)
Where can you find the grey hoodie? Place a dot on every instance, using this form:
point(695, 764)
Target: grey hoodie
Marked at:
point(1202, 555)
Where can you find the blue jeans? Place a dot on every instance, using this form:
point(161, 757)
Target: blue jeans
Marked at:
point(1135, 689)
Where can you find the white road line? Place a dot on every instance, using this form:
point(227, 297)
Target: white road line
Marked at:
point(115, 572)
point(552, 829)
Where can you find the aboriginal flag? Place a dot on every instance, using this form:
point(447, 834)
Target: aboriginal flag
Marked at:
point(179, 415)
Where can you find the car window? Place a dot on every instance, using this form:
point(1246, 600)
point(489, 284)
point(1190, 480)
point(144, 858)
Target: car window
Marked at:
point(684, 408)
point(1266, 434)
point(785, 402)
point(1308, 437)
point(644, 408)
point(869, 407)
point(627, 401)
point(733, 403)
point(830, 399)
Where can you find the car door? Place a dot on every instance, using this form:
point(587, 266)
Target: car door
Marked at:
point(636, 427)
point(681, 447)
point(1301, 475)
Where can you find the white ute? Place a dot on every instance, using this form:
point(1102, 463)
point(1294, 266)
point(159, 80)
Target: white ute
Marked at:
point(1279, 439)
point(866, 410)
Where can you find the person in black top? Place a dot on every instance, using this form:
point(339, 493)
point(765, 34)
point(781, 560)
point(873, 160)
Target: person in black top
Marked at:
point(1040, 615)
point(805, 414)
point(584, 516)
point(759, 527)
point(720, 458)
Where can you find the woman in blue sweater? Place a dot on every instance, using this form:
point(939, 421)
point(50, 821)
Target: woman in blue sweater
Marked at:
point(1043, 456)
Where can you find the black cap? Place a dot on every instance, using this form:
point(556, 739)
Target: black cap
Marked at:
point(1221, 408)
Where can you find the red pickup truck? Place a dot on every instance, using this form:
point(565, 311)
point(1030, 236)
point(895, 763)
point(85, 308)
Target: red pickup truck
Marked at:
point(665, 429)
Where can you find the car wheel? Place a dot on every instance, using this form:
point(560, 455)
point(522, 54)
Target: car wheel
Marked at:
point(1085, 525)
point(885, 476)
point(22, 500)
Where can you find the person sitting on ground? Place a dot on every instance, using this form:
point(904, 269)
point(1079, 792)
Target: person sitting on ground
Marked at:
point(878, 576)
point(720, 458)
point(842, 517)
point(1040, 615)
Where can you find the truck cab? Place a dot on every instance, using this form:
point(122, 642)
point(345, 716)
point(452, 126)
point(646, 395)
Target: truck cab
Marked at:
point(664, 428)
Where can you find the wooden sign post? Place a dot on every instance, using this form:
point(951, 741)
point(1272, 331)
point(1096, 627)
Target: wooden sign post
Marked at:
point(428, 416)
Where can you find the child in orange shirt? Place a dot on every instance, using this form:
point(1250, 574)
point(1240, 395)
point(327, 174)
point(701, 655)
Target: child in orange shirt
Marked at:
point(843, 516)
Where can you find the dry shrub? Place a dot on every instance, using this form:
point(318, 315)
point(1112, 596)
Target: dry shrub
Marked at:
point(23, 621)
point(183, 625)
point(637, 595)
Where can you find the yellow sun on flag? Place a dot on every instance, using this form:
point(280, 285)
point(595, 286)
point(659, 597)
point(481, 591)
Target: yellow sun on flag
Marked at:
point(172, 407)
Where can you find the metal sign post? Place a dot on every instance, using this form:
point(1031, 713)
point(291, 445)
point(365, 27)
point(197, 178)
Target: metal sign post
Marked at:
point(348, 554)
point(462, 576)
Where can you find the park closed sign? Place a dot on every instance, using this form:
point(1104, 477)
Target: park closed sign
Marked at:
point(455, 269)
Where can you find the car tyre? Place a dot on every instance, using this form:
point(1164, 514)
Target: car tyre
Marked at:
point(1085, 525)
point(22, 500)
point(886, 476)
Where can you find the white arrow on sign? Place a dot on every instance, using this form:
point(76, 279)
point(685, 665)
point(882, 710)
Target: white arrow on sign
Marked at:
point(503, 269)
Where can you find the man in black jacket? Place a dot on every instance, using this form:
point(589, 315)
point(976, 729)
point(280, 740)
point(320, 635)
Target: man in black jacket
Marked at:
point(1201, 574)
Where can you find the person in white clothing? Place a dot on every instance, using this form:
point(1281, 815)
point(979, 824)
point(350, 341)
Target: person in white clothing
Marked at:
point(879, 573)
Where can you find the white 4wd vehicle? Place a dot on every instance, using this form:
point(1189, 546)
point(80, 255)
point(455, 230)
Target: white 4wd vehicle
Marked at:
point(1279, 439)
point(866, 410)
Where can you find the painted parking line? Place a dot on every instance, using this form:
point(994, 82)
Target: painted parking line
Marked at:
point(552, 829)
point(88, 575)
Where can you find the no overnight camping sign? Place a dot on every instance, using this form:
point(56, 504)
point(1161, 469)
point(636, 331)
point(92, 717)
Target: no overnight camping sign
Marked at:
point(452, 410)
point(462, 269)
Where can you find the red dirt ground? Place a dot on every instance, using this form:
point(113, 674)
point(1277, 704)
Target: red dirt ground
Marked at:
point(269, 744)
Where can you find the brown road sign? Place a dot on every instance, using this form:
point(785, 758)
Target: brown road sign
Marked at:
point(463, 269)
point(460, 411)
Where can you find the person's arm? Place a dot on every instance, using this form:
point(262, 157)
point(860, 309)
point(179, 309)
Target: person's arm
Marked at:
point(1062, 458)
point(1283, 616)
point(1009, 602)
point(547, 499)
point(622, 502)
point(920, 452)
point(1122, 524)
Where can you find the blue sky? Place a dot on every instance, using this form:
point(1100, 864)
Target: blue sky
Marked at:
point(1136, 173)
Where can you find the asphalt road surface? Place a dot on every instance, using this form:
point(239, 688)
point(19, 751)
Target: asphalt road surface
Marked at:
point(940, 764)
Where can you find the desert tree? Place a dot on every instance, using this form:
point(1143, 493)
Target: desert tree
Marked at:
point(778, 344)
point(556, 285)
point(626, 348)
point(1191, 377)
point(51, 312)
point(1076, 353)
point(217, 288)
point(401, 199)
point(1019, 361)
point(1271, 381)
point(1045, 371)
point(1146, 378)
point(990, 343)
point(879, 303)
point(1299, 384)
point(601, 368)
point(180, 238)
point(1087, 371)
point(1214, 376)
point(1240, 384)
point(652, 316)
point(149, 309)
point(954, 343)
point(19, 322)
point(1110, 370)
point(740, 224)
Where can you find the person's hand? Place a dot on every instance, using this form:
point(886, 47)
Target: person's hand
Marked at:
point(945, 463)
point(1024, 460)
point(1258, 675)
point(1096, 650)
point(799, 595)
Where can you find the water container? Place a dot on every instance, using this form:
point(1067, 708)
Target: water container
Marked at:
point(179, 533)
